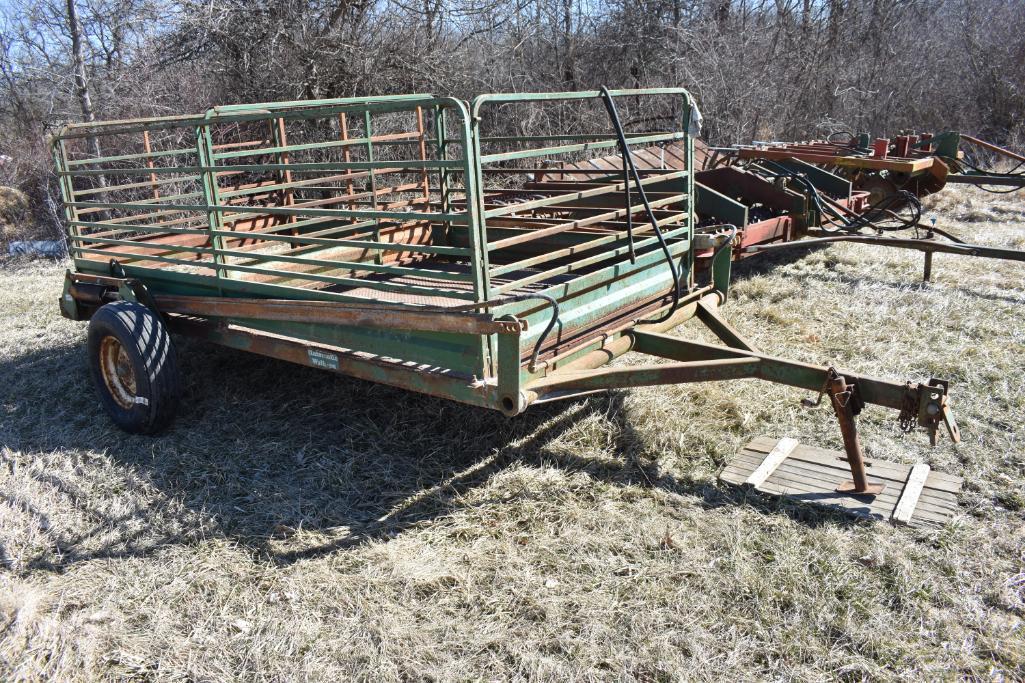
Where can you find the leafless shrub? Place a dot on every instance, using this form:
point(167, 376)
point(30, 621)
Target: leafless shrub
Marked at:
point(760, 70)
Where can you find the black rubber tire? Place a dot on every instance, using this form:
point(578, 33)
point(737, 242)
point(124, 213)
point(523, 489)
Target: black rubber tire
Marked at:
point(155, 384)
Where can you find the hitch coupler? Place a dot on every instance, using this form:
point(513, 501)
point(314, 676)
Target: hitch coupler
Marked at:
point(924, 404)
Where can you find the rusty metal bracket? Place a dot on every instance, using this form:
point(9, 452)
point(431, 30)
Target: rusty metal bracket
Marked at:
point(934, 408)
point(908, 417)
point(85, 292)
point(927, 405)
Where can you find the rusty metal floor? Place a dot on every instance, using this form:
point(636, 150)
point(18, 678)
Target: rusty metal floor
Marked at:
point(441, 284)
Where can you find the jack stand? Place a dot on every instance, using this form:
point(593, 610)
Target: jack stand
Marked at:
point(929, 235)
point(847, 404)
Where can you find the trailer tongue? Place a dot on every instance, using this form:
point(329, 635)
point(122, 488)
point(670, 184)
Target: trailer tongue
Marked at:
point(416, 241)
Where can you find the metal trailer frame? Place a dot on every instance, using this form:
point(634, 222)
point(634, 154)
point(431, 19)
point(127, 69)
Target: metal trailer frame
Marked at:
point(877, 169)
point(922, 163)
point(819, 230)
point(417, 249)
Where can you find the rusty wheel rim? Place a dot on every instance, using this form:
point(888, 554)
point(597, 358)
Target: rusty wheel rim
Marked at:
point(118, 375)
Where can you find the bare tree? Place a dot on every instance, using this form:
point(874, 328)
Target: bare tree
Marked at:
point(759, 68)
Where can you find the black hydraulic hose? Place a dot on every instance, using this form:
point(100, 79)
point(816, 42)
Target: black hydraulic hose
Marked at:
point(624, 148)
point(610, 107)
point(850, 136)
point(982, 187)
point(727, 243)
point(869, 218)
point(514, 298)
point(813, 193)
point(887, 208)
point(1013, 173)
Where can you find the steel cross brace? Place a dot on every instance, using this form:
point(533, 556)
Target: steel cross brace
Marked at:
point(928, 245)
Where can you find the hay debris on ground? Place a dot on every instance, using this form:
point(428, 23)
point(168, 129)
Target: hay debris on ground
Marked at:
point(296, 525)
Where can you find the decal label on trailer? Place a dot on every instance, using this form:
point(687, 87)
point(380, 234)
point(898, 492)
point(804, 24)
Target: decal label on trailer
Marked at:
point(322, 359)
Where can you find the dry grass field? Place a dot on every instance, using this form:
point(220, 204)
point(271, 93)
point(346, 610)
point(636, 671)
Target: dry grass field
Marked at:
point(295, 525)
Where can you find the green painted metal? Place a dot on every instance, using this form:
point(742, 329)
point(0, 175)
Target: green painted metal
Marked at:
point(580, 147)
point(187, 239)
point(946, 144)
point(439, 220)
point(720, 207)
point(365, 229)
point(722, 265)
point(772, 368)
point(950, 146)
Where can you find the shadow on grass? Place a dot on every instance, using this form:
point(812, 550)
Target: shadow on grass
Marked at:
point(264, 452)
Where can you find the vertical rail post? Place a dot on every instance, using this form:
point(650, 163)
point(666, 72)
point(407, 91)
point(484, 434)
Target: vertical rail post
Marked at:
point(509, 373)
point(927, 271)
point(688, 141)
point(211, 196)
point(60, 158)
point(149, 164)
point(287, 194)
point(379, 255)
point(343, 133)
point(473, 182)
point(423, 154)
point(443, 173)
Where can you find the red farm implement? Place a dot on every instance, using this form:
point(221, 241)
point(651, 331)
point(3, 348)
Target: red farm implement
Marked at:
point(917, 163)
point(783, 202)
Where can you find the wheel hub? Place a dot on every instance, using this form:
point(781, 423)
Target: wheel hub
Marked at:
point(878, 188)
point(118, 375)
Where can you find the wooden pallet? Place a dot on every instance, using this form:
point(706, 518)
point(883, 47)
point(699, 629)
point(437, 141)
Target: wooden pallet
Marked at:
point(914, 494)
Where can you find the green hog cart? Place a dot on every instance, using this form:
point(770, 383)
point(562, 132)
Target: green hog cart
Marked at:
point(415, 241)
